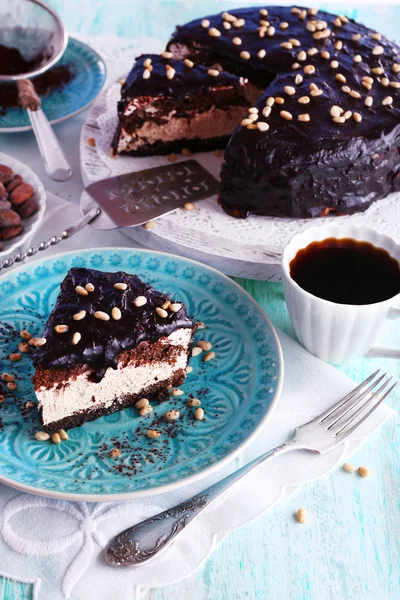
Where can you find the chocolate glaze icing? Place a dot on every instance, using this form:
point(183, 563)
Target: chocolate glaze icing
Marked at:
point(103, 341)
point(304, 169)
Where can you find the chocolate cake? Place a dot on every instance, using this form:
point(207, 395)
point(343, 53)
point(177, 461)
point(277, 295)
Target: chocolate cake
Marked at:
point(324, 135)
point(110, 340)
point(167, 105)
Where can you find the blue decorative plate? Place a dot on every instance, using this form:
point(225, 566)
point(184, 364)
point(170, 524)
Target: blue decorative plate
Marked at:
point(238, 388)
point(89, 77)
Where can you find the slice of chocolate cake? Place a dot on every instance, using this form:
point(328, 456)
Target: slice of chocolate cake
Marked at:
point(110, 340)
point(167, 105)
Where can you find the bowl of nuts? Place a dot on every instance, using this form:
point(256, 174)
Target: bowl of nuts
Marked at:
point(22, 203)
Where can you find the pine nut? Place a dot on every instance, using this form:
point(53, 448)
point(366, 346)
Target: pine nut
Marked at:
point(316, 93)
point(309, 69)
point(289, 90)
point(245, 55)
point(205, 23)
point(279, 100)
point(266, 111)
point(194, 402)
point(116, 313)
point(357, 58)
point(378, 50)
point(89, 286)
point(196, 351)
point(262, 126)
point(357, 117)
point(114, 453)
point(80, 315)
point(388, 100)
point(146, 410)
point(363, 471)
point(355, 94)
point(176, 392)
point(396, 67)
point(76, 338)
point(166, 54)
point(189, 206)
point(2, 398)
point(209, 356)
point(298, 79)
point(238, 23)
point(170, 73)
point(325, 55)
point(301, 515)
point(61, 328)
point(213, 72)
point(287, 45)
point(7, 377)
point(189, 63)
point(237, 41)
point(161, 312)
point(305, 117)
point(385, 81)
point(102, 316)
point(201, 325)
point(142, 403)
point(140, 301)
point(23, 347)
point(356, 37)
point(146, 74)
point(15, 356)
point(166, 305)
point(56, 438)
point(304, 100)
point(349, 468)
point(189, 369)
point(204, 345)
point(339, 120)
point(63, 434)
point(29, 404)
point(369, 101)
point(214, 32)
point(25, 334)
point(172, 415)
point(37, 341)
point(286, 115)
point(347, 114)
point(175, 307)
point(42, 436)
point(153, 434)
point(340, 77)
point(312, 51)
point(81, 290)
point(199, 414)
point(120, 286)
point(271, 31)
point(262, 53)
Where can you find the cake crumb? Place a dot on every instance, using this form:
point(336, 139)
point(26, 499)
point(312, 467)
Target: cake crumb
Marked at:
point(91, 142)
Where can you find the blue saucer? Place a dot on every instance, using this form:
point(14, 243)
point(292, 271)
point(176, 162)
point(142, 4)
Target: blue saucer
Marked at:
point(238, 388)
point(74, 97)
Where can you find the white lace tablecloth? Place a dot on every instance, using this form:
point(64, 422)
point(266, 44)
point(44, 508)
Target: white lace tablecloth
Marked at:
point(59, 546)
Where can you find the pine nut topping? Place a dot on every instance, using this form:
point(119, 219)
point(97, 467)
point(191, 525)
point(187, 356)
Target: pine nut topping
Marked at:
point(325, 55)
point(378, 50)
point(302, 55)
point(153, 434)
point(245, 55)
point(305, 117)
point(295, 10)
point(89, 287)
point(339, 119)
point(266, 111)
point(298, 79)
point(396, 67)
point(340, 78)
point(116, 313)
point(347, 114)
point(114, 453)
point(310, 26)
point(343, 19)
point(205, 23)
point(287, 45)
point(349, 467)
point(7, 377)
point(368, 79)
point(270, 31)
point(334, 64)
point(336, 111)
point(29, 404)
point(296, 66)
point(15, 356)
point(369, 101)
point(226, 25)
point(170, 73)
point(214, 32)
point(80, 315)
point(377, 70)
point(284, 25)
point(175, 392)
point(42, 436)
point(309, 69)
point(238, 23)
point(76, 338)
point(146, 74)
point(228, 17)
point(103, 316)
point(312, 11)
point(189, 369)
point(140, 301)
point(56, 438)
point(61, 328)
point(25, 334)
point(63, 434)
point(161, 312)
point(2, 399)
point(395, 84)
point(261, 126)
point(213, 72)
point(279, 100)
point(304, 100)
point(196, 351)
point(357, 117)
point(337, 22)
point(261, 53)
point(172, 415)
point(146, 410)
point(312, 51)
point(385, 81)
point(189, 63)
point(363, 471)
point(12, 385)
point(346, 89)
point(204, 345)
point(186, 152)
point(237, 41)
point(387, 101)
point(199, 414)
point(166, 305)
point(376, 36)
point(355, 94)
point(142, 403)
point(367, 85)
point(316, 92)
point(270, 101)
point(120, 286)
point(338, 45)
point(23, 347)
point(166, 54)
point(322, 35)
point(295, 43)
point(81, 290)
point(209, 356)
point(356, 37)
point(194, 402)
point(37, 341)
point(301, 515)
point(263, 12)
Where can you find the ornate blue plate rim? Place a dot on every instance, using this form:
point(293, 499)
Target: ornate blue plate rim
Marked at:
point(99, 59)
point(204, 472)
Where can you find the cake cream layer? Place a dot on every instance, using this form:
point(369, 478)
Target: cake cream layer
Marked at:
point(60, 402)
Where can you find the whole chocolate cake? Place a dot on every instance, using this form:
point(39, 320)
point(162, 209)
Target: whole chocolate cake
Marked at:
point(323, 136)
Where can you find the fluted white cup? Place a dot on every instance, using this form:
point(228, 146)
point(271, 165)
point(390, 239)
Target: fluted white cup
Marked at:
point(338, 332)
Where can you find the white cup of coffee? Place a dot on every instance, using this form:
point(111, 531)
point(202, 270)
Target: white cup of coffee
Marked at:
point(342, 285)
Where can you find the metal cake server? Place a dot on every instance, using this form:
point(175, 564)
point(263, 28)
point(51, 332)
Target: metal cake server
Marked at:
point(145, 540)
point(134, 199)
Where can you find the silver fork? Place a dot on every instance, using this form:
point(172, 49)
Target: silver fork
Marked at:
point(145, 540)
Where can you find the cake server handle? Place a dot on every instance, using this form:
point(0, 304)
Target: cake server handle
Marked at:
point(55, 239)
point(147, 539)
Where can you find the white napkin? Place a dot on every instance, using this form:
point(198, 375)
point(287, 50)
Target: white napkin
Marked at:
point(58, 546)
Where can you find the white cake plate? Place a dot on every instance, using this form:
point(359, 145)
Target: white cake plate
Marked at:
point(249, 248)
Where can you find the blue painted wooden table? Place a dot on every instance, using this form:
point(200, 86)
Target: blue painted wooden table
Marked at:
point(350, 547)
